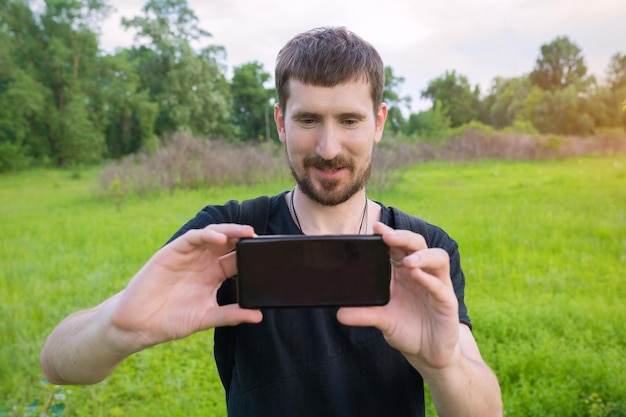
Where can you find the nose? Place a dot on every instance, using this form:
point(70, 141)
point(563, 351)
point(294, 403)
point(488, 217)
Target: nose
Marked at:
point(328, 144)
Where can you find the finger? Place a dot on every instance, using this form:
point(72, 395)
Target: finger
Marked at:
point(233, 230)
point(228, 263)
point(404, 239)
point(228, 315)
point(401, 242)
point(218, 233)
point(361, 316)
point(395, 255)
point(232, 315)
point(380, 228)
point(430, 270)
point(434, 261)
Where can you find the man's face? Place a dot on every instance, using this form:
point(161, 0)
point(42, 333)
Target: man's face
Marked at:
point(329, 133)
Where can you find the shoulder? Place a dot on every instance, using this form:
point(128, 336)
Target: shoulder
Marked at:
point(435, 236)
point(229, 212)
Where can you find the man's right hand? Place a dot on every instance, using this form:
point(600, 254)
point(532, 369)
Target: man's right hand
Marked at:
point(173, 296)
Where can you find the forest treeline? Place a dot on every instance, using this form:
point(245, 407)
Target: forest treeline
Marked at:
point(66, 102)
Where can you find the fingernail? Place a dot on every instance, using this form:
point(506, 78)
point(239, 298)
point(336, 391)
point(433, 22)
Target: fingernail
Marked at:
point(413, 259)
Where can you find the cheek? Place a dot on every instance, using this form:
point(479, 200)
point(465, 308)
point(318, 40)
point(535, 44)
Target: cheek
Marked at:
point(298, 141)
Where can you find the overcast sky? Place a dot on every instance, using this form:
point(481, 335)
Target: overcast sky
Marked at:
point(419, 39)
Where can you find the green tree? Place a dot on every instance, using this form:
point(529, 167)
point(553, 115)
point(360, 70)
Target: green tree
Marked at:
point(190, 87)
point(22, 107)
point(395, 102)
point(430, 125)
point(82, 143)
point(616, 72)
point(129, 114)
point(603, 107)
point(565, 106)
point(52, 55)
point(559, 66)
point(562, 111)
point(505, 103)
point(614, 95)
point(460, 102)
point(252, 109)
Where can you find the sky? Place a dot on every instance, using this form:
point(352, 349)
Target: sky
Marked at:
point(419, 39)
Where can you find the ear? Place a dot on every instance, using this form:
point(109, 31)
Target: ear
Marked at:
point(381, 117)
point(279, 118)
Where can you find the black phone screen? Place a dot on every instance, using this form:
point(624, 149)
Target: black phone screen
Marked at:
point(312, 271)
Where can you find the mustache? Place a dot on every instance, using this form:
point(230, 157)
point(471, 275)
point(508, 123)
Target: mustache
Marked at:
point(338, 162)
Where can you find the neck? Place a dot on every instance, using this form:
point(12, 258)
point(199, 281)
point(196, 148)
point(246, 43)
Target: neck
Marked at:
point(349, 217)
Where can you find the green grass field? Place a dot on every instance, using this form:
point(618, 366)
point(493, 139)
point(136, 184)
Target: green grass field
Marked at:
point(543, 246)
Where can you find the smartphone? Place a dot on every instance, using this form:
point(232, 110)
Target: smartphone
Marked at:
point(312, 271)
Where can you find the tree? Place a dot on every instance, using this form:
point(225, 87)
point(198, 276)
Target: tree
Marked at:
point(251, 102)
point(395, 103)
point(82, 143)
point(129, 114)
point(559, 65)
point(459, 101)
point(21, 101)
point(430, 125)
point(615, 93)
point(53, 52)
point(189, 87)
point(616, 72)
point(505, 103)
point(562, 111)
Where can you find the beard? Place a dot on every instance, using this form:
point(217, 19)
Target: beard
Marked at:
point(330, 192)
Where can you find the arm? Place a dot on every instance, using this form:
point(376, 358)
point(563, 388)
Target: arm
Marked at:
point(421, 321)
point(171, 297)
point(467, 386)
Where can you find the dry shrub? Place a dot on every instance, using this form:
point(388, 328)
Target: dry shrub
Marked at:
point(476, 145)
point(188, 163)
point(390, 157)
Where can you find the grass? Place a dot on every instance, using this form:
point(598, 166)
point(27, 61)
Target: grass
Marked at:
point(543, 246)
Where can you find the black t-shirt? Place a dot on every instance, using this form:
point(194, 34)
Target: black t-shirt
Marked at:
point(304, 362)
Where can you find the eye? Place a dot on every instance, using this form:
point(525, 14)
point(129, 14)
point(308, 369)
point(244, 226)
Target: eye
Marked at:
point(351, 119)
point(307, 121)
point(350, 123)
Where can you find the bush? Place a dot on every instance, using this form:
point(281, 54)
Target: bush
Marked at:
point(185, 162)
point(476, 126)
point(390, 156)
point(188, 163)
point(12, 157)
point(521, 126)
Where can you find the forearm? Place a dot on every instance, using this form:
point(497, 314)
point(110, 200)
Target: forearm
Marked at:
point(468, 387)
point(82, 348)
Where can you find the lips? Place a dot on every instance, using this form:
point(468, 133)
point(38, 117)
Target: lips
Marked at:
point(329, 174)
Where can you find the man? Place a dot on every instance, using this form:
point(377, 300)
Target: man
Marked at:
point(348, 361)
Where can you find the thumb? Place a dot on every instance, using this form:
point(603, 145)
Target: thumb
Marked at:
point(362, 316)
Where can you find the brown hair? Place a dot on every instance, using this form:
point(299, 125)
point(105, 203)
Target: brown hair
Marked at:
point(327, 57)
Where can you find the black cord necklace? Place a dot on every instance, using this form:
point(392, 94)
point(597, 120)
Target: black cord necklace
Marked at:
point(292, 210)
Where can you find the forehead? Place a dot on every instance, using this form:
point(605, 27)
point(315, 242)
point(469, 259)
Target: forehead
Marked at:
point(353, 96)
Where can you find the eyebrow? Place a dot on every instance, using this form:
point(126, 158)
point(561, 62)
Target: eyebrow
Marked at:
point(313, 115)
point(304, 115)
